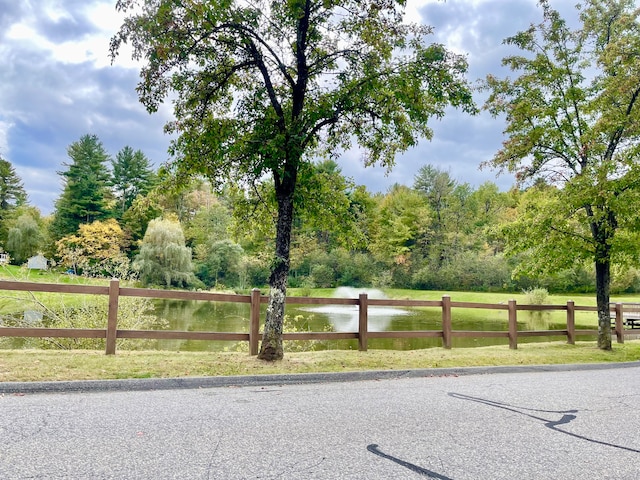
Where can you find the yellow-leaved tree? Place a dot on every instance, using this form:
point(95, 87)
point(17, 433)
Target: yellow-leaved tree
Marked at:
point(95, 250)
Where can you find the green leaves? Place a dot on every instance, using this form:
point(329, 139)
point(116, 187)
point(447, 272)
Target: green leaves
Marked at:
point(573, 121)
point(164, 259)
point(262, 86)
point(12, 193)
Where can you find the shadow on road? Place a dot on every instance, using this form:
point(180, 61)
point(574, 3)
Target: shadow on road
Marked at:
point(567, 417)
point(373, 448)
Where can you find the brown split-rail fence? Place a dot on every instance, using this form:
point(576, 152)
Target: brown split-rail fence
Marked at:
point(114, 291)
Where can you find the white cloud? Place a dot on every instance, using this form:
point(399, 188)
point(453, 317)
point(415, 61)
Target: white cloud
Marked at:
point(100, 22)
point(4, 138)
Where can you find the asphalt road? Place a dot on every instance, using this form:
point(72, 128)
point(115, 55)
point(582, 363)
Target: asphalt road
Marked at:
point(513, 424)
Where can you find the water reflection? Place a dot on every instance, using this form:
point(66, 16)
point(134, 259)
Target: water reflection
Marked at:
point(345, 318)
point(234, 317)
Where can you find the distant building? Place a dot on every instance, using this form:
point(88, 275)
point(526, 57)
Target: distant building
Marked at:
point(4, 258)
point(37, 262)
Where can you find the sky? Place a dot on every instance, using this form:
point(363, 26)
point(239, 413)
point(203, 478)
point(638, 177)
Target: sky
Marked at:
point(57, 84)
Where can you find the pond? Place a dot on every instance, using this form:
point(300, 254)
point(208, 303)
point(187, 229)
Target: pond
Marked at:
point(234, 317)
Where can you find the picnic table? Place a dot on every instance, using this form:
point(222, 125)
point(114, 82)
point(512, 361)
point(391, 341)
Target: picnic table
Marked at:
point(630, 316)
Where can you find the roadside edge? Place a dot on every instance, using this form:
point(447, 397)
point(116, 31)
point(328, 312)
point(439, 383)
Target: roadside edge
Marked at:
point(282, 379)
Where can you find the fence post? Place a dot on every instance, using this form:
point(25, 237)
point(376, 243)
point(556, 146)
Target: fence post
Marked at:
point(571, 322)
point(112, 317)
point(513, 325)
point(446, 321)
point(619, 327)
point(363, 318)
point(254, 322)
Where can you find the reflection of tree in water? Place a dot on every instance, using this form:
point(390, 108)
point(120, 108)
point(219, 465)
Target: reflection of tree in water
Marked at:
point(301, 324)
point(537, 319)
point(193, 315)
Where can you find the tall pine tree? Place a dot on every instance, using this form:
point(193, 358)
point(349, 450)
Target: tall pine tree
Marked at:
point(132, 176)
point(86, 193)
point(12, 193)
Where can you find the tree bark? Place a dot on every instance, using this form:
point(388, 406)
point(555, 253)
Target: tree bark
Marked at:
point(271, 346)
point(602, 232)
point(603, 282)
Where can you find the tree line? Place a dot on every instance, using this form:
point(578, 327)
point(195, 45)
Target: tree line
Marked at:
point(118, 216)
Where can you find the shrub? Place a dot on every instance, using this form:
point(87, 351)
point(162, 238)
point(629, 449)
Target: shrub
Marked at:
point(322, 276)
point(536, 296)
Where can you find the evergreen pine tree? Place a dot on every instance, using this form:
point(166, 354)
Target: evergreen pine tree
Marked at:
point(12, 193)
point(86, 193)
point(132, 176)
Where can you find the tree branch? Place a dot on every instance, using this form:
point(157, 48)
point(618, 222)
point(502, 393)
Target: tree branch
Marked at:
point(617, 134)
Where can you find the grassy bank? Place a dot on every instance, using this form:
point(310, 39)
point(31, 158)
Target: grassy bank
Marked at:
point(56, 365)
point(39, 365)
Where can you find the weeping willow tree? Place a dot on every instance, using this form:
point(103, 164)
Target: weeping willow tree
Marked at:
point(164, 259)
point(24, 239)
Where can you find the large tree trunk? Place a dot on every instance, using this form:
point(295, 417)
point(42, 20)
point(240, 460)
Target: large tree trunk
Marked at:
point(271, 347)
point(603, 282)
point(603, 231)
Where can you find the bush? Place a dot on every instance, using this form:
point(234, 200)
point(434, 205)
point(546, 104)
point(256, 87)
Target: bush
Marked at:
point(466, 271)
point(220, 262)
point(354, 269)
point(255, 273)
point(536, 296)
point(322, 276)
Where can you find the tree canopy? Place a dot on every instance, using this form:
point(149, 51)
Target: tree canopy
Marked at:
point(24, 238)
point(96, 250)
point(573, 120)
point(262, 87)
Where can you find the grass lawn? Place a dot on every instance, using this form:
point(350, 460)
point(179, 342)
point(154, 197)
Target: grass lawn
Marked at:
point(23, 274)
point(43, 365)
point(587, 299)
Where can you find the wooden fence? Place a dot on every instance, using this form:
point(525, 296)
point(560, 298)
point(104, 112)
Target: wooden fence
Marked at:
point(114, 291)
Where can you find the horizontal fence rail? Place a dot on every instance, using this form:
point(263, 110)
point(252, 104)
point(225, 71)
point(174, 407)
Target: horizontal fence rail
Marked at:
point(111, 332)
